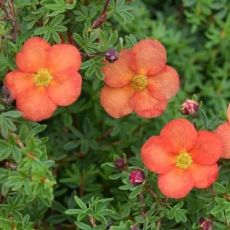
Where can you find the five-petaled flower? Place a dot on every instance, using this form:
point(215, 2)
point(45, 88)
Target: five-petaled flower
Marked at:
point(46, 77)
point(223, 131)
point(184, 158)
point(139, 81)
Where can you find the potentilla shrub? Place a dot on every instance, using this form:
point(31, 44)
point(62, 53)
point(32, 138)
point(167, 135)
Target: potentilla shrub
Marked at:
point(114, 115)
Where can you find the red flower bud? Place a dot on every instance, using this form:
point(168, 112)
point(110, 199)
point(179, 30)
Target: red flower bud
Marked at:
point(111, 55)
point(206, 224)
point(136, 177)
point(120, 163)
point(189, 107)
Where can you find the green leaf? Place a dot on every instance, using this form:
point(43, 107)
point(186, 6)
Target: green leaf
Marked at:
point(16, 153)
point(37, 129)
point(83, 226)
point(219, 188)
point(80, 203)
point(12, 114)
point(5, 150)
point(71, 145)
point(73, 211)
point(125, 211)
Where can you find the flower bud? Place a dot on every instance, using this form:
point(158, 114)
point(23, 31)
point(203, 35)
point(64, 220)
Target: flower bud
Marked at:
point(136, 177)
point(189, 107)
point(120, 163)
point(205, 224)
point(111, 55)
point(6, 96)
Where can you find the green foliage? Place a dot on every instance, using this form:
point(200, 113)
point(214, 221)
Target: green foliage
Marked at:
point(96, 211)
point(25, 176)
point(60, 174)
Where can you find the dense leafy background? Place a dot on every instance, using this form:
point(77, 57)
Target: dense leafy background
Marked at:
point(68, 180)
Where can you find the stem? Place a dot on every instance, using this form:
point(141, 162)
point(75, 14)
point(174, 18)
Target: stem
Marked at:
point(226, 196)
point(10, 12)
point(17, 140)
point(85, 55)
point(142, 200)
point(1, 3)
point(81, 186)
point(152, 192)
point(102, 18)
point(105, 134)
point(158, 225)
point(92, 221)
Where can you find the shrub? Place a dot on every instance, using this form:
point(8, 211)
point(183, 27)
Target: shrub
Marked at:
point(82, 168)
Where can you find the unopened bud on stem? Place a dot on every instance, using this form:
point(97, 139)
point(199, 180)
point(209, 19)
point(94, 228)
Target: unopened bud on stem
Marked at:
point(136, 177)
point(120, 163)
point(206, 224)
point(111, 55)
point(190, 107)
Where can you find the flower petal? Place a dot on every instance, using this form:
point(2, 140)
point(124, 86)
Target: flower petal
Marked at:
point(35, 104)
point(62, 57)
point(119, 73)
point(204, 175)
point(207, 149)
point(150, 56)
point(18, 82)
point(65, 88)
point(115, 101)
point(147, 106)
point(223, 131)
point(155, 154)
point(177, 183)
point(165, 84)
point(32, 55)
point(181, 133)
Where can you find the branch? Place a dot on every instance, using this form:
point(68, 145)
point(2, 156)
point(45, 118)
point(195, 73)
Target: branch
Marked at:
point(1, 3)
point(158, 225)
point(102, 18)
point(10, 12)
point(142, 201)
point(17, 140)
point(92, 221)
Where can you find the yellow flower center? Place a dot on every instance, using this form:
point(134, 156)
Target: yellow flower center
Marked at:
point(42, 77)
point(183, 160)
point(139, 82)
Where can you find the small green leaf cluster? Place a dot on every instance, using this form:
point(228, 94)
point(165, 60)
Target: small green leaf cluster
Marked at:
point(26, 178)
point(96, 211)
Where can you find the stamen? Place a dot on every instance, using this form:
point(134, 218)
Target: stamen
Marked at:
point(139, 82)
point(42, 77)
point(184, 160)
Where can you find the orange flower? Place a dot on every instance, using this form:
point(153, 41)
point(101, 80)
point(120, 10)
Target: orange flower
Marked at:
point(223, 131)
point(139, 81)
point(183, 157)
point(46, 77)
